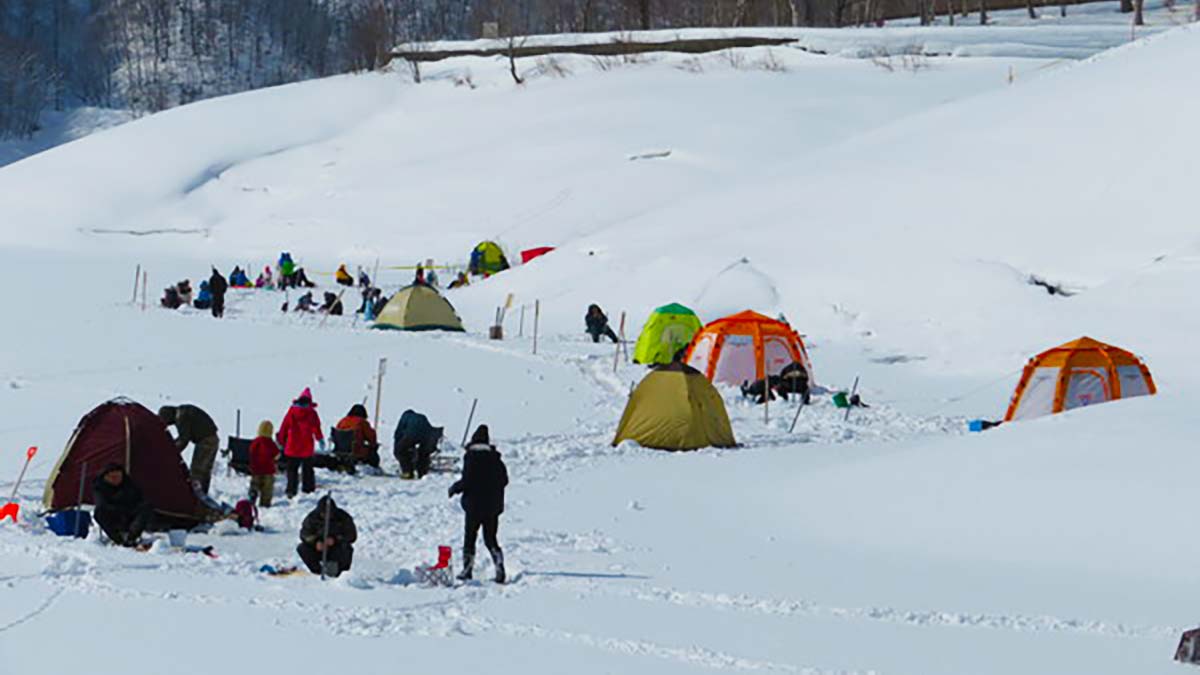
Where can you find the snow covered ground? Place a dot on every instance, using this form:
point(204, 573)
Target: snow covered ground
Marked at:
point(893, 214)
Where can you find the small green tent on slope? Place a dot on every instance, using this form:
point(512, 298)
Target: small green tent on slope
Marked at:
point(418, 307)
point(669, 329)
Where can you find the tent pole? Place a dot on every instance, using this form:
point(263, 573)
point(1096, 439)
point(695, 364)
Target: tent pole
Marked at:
point(766, 379)
point(79, 502)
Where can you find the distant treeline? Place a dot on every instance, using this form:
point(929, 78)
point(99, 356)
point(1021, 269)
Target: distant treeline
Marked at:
point(149, 55)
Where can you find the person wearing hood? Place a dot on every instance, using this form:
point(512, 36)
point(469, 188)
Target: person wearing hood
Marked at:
point(194, 426)
point(332, 537)
point(342, 276)
point(204, 297)
point(217, 285)
point(263, 455)
point(365, 446)
point(484, 478)
point(414, 443)
point(298, 434)
point(121, 509)
point(333, 305)
point(596, 322)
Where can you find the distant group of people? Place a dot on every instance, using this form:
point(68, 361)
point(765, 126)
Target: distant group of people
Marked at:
point(328, 533)
point(210, 297)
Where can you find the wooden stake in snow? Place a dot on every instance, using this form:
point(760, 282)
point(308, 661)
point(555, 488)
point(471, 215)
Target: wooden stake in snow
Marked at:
point(375, 274)
point(137, 278)
point(470, 418)
point(379, 388)
point(521, 330)
point(145, 282)
point(617, 346)
point(537, 313)
point(325, 536)
point(850, 400)
point(797, 417)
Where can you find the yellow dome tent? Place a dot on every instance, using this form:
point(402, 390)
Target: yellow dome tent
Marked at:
point(669, 329)
point(1079, 373)
point(418, 307)
point(675, 408)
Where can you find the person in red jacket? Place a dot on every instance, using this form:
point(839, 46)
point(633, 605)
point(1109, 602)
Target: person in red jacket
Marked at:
point(263, 452)
point(300, 430)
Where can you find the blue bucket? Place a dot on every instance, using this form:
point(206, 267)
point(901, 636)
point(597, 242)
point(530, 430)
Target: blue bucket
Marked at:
point(975, 425)
point(74, 523)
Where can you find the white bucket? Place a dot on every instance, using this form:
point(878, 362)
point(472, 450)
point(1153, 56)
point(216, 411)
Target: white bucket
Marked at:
point(177, 538)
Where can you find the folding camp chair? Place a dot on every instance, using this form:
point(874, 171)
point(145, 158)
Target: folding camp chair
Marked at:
point(238, 452)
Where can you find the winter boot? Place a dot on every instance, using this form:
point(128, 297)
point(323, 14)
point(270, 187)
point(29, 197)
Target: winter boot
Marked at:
point(407, 475)
point(498, 561)
point(468, 567)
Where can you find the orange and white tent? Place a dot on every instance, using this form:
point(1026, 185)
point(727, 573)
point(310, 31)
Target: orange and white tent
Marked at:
point(744, 347)
point(1080, 373)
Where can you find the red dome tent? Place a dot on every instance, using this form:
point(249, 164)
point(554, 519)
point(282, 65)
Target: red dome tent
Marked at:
point(126, 433)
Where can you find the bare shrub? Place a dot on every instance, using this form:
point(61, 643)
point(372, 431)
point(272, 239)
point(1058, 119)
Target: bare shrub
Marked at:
point(771, 63)
point(26, 87)
point(692, 65)
point(552, 66)
point(735, 58)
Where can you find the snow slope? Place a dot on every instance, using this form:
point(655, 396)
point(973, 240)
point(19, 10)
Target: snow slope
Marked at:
point(892, 215)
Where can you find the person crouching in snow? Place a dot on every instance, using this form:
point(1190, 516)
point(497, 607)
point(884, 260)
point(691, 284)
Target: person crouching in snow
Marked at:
point(484, 478)
point(333, 540)
point(300, 430)
point(121, 509)
point(597, 324)
point(263, 453)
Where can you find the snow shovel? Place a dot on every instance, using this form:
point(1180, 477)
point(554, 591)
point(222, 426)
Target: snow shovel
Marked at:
point(12, 509)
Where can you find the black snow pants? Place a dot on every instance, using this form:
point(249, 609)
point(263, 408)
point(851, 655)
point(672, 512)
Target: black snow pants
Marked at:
point(342, 555)
point(490, 525)
point(302, 469)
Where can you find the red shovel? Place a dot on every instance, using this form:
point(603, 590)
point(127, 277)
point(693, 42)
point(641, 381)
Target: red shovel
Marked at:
point(12, 509)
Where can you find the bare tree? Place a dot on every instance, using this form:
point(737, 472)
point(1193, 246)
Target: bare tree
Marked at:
point(369, 39)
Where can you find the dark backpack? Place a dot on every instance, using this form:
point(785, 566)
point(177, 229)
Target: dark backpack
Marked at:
point(246, 514)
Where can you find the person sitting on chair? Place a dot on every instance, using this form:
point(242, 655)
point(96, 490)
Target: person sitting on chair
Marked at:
point(332, 540)
point(121, 509)
point(414, 443)
point(364, 446)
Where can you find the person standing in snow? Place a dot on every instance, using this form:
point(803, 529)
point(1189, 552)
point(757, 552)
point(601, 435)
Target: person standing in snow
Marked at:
point(299, 432)
point(333, 540)
point(194, 426)
point(217, 285)
point(121, 509)
point(484, 478)
point(263, 454)
point(597, 324)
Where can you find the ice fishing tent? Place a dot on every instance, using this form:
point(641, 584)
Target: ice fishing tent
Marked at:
point(1077, 374)
point(669, 329)
point(746, 346)
point(126, 433)
point(675, 408)
point(418, 307)
point(487, 259)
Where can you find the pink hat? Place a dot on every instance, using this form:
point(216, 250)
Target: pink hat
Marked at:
point(305, 395)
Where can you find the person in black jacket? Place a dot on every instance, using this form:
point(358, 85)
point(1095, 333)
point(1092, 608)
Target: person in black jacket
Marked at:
point(597, 324)
point(217, 285)
point(338, 538)
point(121, 510)
point(484, 478)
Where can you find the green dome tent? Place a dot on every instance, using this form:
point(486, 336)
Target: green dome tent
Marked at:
point(669, 329)
point(418, 307)
point(487, 259)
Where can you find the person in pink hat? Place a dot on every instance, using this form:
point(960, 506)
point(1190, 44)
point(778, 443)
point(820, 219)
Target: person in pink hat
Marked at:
point(298, 435)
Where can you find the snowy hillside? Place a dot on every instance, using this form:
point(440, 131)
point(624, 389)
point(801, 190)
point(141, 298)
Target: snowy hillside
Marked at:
point(894, 208)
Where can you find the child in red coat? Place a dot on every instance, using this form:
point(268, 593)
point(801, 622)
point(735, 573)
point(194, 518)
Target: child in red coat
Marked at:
point(298, 434)
point(263, 452)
